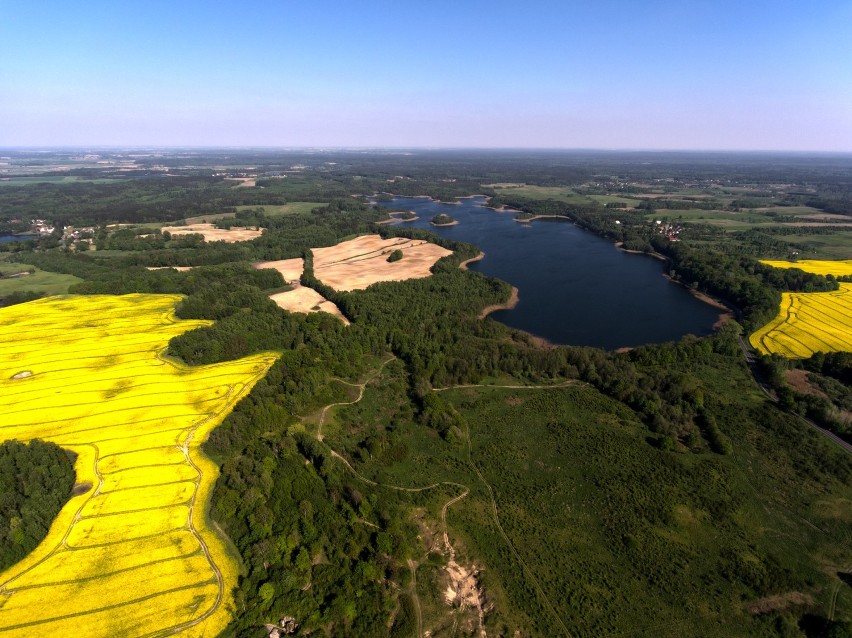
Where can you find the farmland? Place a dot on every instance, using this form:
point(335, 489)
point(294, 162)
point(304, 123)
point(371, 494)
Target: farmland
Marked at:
point(837, 268)
point(211, 233)
point(131, 552)
point(809, 323)
point(360, 262)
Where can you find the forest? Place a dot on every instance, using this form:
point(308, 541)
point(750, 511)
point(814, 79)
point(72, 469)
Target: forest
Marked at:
point(656, 490)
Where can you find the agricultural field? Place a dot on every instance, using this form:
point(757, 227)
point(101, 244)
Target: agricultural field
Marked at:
point(838, 268)
point(211, 233)
point(290, 208)
point(131, 553)
point(808, 323)
point(360, 262)
point(306, 300)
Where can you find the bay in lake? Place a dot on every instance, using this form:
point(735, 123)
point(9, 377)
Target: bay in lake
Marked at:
point(574, 287)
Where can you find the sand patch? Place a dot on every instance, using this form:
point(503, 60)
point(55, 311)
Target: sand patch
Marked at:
point(290, 269)
point(360, 262)
point(306, 300)
point(178, 268)
point(211, 233)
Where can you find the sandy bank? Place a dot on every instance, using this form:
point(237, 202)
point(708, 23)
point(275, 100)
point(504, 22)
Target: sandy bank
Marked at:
point(535, 217)
point(464, 264)
point(508, 305)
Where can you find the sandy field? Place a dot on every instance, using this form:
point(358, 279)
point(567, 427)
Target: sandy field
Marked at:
point(306, 300)
point(211, 233)
point(178, 268)
point(360, 262)
point(290, 269)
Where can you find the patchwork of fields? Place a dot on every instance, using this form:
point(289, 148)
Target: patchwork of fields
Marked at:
point(131, 553)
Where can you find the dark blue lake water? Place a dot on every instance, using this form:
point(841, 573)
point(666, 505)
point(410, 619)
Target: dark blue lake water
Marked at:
point(574, 287)
point(4, 239)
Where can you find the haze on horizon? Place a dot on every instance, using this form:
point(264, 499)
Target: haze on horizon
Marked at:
point(614, 74)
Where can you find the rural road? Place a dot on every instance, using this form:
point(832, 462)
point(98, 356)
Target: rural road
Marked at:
point(758, 377)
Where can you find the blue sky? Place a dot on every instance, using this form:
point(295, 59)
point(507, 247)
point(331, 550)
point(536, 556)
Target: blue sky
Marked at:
point(751, 75)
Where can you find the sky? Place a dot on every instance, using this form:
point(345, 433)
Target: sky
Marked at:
point(606, 74)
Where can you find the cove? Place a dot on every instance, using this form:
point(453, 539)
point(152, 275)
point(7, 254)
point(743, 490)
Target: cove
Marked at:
point(574, 287)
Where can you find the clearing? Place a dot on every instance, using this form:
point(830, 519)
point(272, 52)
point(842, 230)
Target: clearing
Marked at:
point(300, 298)
point(211, 233)
point(290, 269)
point(306, 300)
point(16, 277)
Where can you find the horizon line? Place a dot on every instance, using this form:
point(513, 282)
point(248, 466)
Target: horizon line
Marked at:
point(367, 148)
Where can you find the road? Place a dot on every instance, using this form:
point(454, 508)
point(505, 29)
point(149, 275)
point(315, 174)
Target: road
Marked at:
point(761, 381)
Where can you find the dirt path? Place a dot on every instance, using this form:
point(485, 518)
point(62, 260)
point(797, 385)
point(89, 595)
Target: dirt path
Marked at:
point(360, 386)
point(415, 599)
point(465, 491)
point(564, 384)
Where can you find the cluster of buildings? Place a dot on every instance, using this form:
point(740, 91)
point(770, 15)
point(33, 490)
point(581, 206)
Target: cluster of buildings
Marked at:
point(668, 230)
point(42, 227)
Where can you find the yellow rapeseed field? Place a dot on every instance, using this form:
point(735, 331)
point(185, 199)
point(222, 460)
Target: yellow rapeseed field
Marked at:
point(815, 266)
point(809, 322)
point(133, 555)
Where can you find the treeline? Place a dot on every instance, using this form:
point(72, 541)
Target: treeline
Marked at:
point(35, 482)
point(753, 288)
point(141, 200)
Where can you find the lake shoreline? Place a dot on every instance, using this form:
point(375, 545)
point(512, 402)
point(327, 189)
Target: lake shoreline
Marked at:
point(555, 252)
point(507, 305)
point(725, 316)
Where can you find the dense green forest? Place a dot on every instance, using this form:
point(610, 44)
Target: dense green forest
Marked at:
point(35, 482)
point(593, 494)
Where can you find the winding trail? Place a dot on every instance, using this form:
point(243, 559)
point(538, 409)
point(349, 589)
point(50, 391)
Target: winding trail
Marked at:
point(361, 387)
point(465, 491)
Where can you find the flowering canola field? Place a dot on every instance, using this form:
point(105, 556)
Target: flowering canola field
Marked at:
point(132, 555)
point(809, 322)
point(815, 266)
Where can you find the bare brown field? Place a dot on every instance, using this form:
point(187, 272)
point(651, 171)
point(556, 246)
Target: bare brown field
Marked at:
point(178, 268)
point(360, 262)
point(211, 233)
point(243, 181)
point(306, 300)
point(290, 269)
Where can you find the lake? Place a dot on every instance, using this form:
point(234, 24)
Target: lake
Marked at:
point(574, 287)
point(5, 239)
